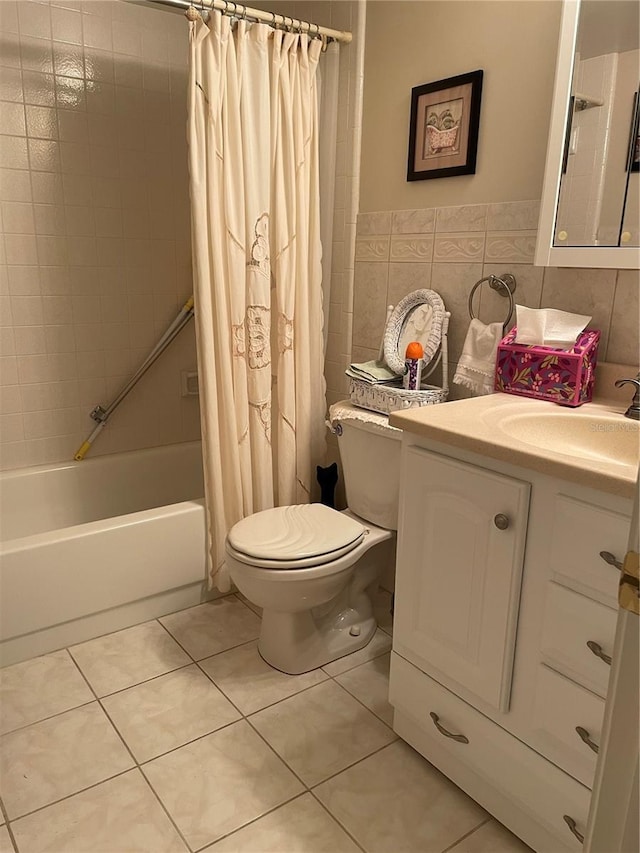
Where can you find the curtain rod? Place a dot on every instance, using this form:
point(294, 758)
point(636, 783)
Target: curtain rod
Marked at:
point(228, 7)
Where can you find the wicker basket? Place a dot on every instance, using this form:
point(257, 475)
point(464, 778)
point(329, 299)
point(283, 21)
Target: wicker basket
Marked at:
point(386, 399)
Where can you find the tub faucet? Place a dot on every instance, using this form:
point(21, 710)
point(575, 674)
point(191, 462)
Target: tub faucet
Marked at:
point(634, 409)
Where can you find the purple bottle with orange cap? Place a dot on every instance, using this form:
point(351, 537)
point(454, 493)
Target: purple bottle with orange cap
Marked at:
point(413, 366)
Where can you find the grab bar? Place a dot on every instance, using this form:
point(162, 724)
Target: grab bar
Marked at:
point(101, 414)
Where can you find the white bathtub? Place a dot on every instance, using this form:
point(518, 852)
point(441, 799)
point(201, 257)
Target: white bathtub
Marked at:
point(91, 547)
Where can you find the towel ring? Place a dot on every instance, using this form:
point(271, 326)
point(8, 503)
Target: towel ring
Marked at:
point(504, 285)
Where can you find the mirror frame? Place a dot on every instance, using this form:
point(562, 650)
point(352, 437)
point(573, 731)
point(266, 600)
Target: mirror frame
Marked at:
point(393, 331)
point(546, 254)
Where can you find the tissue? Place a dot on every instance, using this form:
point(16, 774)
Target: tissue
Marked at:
point(548, 327)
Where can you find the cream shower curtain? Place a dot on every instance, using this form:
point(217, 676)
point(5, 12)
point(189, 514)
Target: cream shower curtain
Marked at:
point(253, 159)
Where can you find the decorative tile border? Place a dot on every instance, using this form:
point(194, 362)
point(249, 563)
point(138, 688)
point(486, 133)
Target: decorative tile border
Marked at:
point(372, 249)
point(458, 248)
point(515, 246)
point(411, 248)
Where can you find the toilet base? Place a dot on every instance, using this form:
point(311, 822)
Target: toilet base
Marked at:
point(299, 642)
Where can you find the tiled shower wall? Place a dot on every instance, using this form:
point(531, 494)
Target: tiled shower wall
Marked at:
point(448, 249)
point(94, 233)
point(95, 236)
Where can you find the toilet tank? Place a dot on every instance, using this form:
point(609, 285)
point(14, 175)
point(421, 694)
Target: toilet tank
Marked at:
point(370, 457)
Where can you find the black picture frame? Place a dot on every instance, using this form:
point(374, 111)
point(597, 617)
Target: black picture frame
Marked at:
point(444, 126)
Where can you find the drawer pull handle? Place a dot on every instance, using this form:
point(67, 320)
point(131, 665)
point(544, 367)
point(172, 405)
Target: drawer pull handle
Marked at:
point(585, 738)
point(573, 826)
point(609, 558)
point(596, 648)
point(443, 731)
point(501, 521)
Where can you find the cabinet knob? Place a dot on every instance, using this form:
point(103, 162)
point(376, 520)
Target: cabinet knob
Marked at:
point(443, 731)
point(573, 826)
point(596, 648)
point(501, 521)
point(586, 738)
point(609, 558)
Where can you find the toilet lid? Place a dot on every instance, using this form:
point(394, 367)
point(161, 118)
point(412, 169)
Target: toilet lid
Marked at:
point(304, 532)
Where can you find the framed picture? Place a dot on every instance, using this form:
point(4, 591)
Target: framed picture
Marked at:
point(443, 135)
point(633, 160)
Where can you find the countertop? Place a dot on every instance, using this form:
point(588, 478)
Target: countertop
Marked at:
point(593, 445)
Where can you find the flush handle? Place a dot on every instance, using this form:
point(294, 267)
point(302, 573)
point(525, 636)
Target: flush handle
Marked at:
point(609, 558)
point(585, 738)
point(501, 521)
point(573, 826)
point(443, 731)
point(596, 648)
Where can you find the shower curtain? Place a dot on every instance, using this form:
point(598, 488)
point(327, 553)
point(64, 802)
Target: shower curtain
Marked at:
point(254, 166)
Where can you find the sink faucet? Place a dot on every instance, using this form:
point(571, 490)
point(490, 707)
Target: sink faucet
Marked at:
point(634, 409)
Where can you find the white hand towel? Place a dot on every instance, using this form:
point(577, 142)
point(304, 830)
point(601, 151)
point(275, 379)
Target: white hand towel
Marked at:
point(477, 363)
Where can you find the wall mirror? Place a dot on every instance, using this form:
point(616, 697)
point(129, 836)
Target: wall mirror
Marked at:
point(417, 317)
point(590, 213)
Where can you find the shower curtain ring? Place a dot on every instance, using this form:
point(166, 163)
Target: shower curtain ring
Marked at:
point(244, 13)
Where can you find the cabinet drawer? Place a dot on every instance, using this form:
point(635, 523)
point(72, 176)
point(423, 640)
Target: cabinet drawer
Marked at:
point(570, 622)
point(560, 707)
point(534, 785)
point(580, 532)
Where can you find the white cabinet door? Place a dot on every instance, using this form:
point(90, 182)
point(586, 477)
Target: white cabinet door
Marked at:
point(460, 554)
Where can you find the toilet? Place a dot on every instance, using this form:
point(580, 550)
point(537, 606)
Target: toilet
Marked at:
point(313, 569)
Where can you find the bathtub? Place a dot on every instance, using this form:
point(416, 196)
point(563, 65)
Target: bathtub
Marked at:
point(94, 546)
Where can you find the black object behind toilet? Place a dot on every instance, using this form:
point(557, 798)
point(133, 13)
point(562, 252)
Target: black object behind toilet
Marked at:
point(327, 479)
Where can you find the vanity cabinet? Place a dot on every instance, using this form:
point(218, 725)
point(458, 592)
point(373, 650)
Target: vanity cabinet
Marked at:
point(457, 620)
point(504, 623)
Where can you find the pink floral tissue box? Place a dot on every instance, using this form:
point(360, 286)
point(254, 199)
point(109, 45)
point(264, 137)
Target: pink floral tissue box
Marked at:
point(565, 377)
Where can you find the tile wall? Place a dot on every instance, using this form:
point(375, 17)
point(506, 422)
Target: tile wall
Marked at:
point(449, 248)
point(94, 232)
point(94, 222)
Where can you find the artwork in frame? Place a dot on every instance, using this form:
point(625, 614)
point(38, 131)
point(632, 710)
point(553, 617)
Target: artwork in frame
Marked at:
point(443, 134)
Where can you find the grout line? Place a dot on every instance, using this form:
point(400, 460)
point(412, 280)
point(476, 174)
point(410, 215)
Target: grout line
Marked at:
point(466, 835)
point(71, 795)
point(354, 763)
point(164, 808)
point(333, 817)
point(50, 716)
point(254, 820)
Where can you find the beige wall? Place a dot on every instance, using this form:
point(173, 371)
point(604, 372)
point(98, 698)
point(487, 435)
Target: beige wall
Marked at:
point(94, 225)
point(411, 43)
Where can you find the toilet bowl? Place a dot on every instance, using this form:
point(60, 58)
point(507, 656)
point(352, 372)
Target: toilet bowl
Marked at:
point(313, 569)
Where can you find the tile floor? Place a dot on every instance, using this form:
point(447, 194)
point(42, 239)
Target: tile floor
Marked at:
point(175, 736)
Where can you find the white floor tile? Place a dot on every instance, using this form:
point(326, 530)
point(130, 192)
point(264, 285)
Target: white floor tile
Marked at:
point(213, 627)
point(379, 645)
point(301, 826)
point(396, 801)
point(221, 782)
point(369, 683)
point(58, 757)
point(382, 610)
point(168, 711)
point(128, 657)
point(321, 731)
point(5, 841)
point(40, 688)
point(493, 837)
point(251, 683)
point(120, 815)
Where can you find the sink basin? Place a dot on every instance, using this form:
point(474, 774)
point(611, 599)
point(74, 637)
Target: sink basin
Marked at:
point(584, 433)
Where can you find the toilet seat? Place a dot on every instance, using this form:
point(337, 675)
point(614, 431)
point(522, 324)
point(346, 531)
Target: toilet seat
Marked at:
point(292, 537)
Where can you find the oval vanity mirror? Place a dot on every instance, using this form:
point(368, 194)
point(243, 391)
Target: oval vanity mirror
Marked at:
point(417, 317)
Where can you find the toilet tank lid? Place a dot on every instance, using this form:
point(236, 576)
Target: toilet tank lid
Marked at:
point(294, 532)
point(347, 411)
